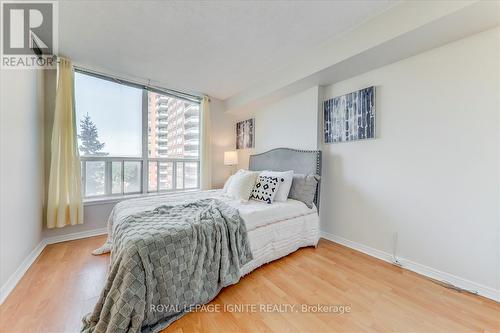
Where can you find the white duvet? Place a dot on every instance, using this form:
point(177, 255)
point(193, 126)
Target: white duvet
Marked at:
point(255, 214)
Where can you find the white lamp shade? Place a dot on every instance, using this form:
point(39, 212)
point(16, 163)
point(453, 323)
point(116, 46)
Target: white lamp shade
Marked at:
point(230, 157)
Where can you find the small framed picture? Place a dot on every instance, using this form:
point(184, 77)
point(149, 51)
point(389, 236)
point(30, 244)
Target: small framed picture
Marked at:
point(245, 134)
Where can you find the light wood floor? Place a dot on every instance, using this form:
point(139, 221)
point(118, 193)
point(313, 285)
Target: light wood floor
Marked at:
point(66, 279)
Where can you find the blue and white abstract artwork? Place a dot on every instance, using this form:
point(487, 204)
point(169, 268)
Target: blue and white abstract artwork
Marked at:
point(350, 117)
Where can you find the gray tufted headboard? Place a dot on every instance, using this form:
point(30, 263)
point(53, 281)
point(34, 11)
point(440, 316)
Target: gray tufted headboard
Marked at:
point(284, 159)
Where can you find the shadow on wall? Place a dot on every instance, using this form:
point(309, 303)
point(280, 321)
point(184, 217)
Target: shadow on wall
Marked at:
point(345, 208)
point(95, 218)
point(243, 157)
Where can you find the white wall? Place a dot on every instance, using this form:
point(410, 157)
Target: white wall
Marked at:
point(432, 174)
point(21, 167)
point(291, 122)
point(223, 139)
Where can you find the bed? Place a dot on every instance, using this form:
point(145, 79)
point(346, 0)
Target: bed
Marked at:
point(293, 228)
point(272, 231)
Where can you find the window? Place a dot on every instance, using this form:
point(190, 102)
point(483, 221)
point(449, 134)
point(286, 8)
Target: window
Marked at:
point(135, 140)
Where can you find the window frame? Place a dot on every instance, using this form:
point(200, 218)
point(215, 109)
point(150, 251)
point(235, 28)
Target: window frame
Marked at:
point(144, 160)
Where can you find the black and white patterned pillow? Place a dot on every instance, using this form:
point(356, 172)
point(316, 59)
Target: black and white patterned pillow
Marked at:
point(265, 189)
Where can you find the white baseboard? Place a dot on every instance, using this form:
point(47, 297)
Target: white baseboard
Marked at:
point(20, 271)
point(75, 235)
point(482, 290)
point(14, 279)
point(427, 271)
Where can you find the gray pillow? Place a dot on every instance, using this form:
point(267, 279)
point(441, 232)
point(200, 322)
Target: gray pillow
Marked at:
point(304, 188)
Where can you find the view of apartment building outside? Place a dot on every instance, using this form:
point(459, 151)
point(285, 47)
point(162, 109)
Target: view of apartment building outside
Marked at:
point(173, 133)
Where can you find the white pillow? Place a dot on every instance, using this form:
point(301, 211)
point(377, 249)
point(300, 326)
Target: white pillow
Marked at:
point(241, 185)
point(265, 189)
point(226, 184)
point(228, 181)
point(285, 180)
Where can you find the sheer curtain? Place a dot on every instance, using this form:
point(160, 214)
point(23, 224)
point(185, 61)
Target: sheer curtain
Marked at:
point(64, 199)
point(206, 143)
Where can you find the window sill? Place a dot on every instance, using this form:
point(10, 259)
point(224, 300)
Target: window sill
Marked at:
point(116, 199)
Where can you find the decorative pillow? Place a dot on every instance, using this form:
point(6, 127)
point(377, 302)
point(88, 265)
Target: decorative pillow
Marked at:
point(230, 179)
point(241, 185)
point(304, 188)
point(265, 189)
point(285, 182)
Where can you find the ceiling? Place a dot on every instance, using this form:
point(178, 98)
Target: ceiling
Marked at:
point(212, 47)
point(391, 36)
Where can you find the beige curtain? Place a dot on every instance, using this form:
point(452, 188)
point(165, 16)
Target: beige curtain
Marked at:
point(206, 143)
point(64, 200)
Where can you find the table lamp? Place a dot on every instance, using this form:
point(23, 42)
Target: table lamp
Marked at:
point(231, 158)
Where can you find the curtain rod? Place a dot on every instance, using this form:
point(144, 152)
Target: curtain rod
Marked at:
point(171, 92)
